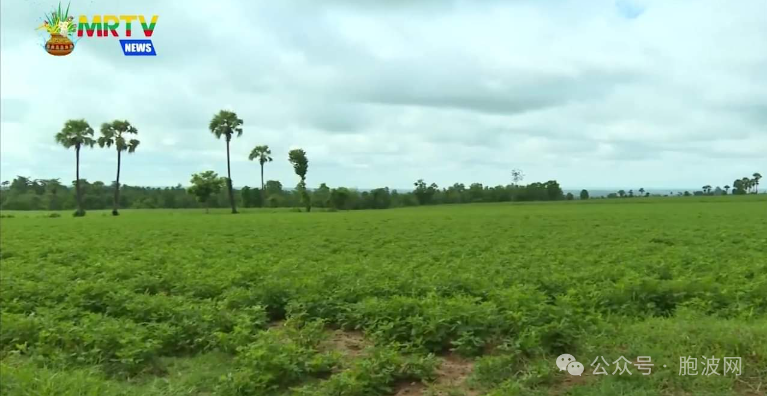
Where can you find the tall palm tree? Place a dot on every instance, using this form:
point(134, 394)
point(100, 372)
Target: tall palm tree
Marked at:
point(747, 184)
point(727, 189)
point(263, 153)
point(226, 123)
point(77, 134)
point(757, 177)
point(112, 134)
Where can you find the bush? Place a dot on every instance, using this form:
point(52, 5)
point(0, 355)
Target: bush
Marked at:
point(278, 358)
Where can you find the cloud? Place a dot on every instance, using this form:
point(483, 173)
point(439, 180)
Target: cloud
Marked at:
point(598, 94)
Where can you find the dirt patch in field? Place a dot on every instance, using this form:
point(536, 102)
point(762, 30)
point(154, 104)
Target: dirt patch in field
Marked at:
point(452, 377)
point(750, 387)
point(571, 381)
point(408, 388)
point(349, 343)
point(454, 370)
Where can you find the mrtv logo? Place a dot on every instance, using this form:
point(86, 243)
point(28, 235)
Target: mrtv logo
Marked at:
point(111, 26)
point(62, 33)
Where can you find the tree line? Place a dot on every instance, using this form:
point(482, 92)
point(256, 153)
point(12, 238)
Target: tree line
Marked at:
point(24, 193)
point(209, 190)
point(740, 186)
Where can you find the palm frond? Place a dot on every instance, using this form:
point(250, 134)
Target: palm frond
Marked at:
point(132, 145)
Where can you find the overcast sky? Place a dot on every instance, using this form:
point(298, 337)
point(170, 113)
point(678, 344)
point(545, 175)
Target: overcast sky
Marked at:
point(598, 93)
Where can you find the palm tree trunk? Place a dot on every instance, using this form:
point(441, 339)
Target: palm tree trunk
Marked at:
point(263, 195)
point(229, 178)
point(80, 211)
point(117, 187)
point(307, 199)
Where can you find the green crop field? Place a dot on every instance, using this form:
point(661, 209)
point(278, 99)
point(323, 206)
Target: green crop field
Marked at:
point(448, 300)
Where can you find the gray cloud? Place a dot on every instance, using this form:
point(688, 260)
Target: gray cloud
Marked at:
point(383, 93)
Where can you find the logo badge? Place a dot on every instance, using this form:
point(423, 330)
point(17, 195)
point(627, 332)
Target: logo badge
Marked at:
point(63, 31)
point(568, 362)
point(60, 29)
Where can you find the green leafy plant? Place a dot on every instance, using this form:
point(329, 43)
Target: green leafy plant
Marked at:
point(53, 18)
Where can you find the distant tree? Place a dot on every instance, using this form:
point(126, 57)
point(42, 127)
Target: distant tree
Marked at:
point(621, 193)
point(251, 197)
point(741, 186)
point(641, 191)
point(226, 123)
point(204, 185)
point(553, 190)
point(517, 176)
point(726, 189)
point(21, 184)
point(747, 184)
point(687, 194)
point(737, 187)
point(297, 158)
point(570, 196)
point(77, 134)
point(706, 189)
point(112, 134)
point(52, 187)
point(718, 191)
point(380, 198)
point(273, 187)
point(321, 196)
point(612, 195)
point(424, 193)
point(476, 191)
point(584, 194)
point(757, 177)
point(245, 195)
point(264, 155)
point(631, 193)
point(339, 198)
point(455, 193)
point(647, 195)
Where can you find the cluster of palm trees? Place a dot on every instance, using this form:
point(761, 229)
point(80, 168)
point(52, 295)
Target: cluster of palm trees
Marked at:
point(747, 185)
point(740, 186)
point(78, 134)
point(226, 124)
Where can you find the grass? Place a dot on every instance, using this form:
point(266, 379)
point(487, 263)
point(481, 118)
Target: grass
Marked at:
point(159, 302)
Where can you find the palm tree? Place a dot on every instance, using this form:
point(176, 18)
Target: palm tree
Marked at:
point(727, 189)
point(706, 189)
point(757, 177)
point(112, 134)
point(76, 133)
point(747, 184)
point(226, 123)
point(263, 153)
point(641, 191)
